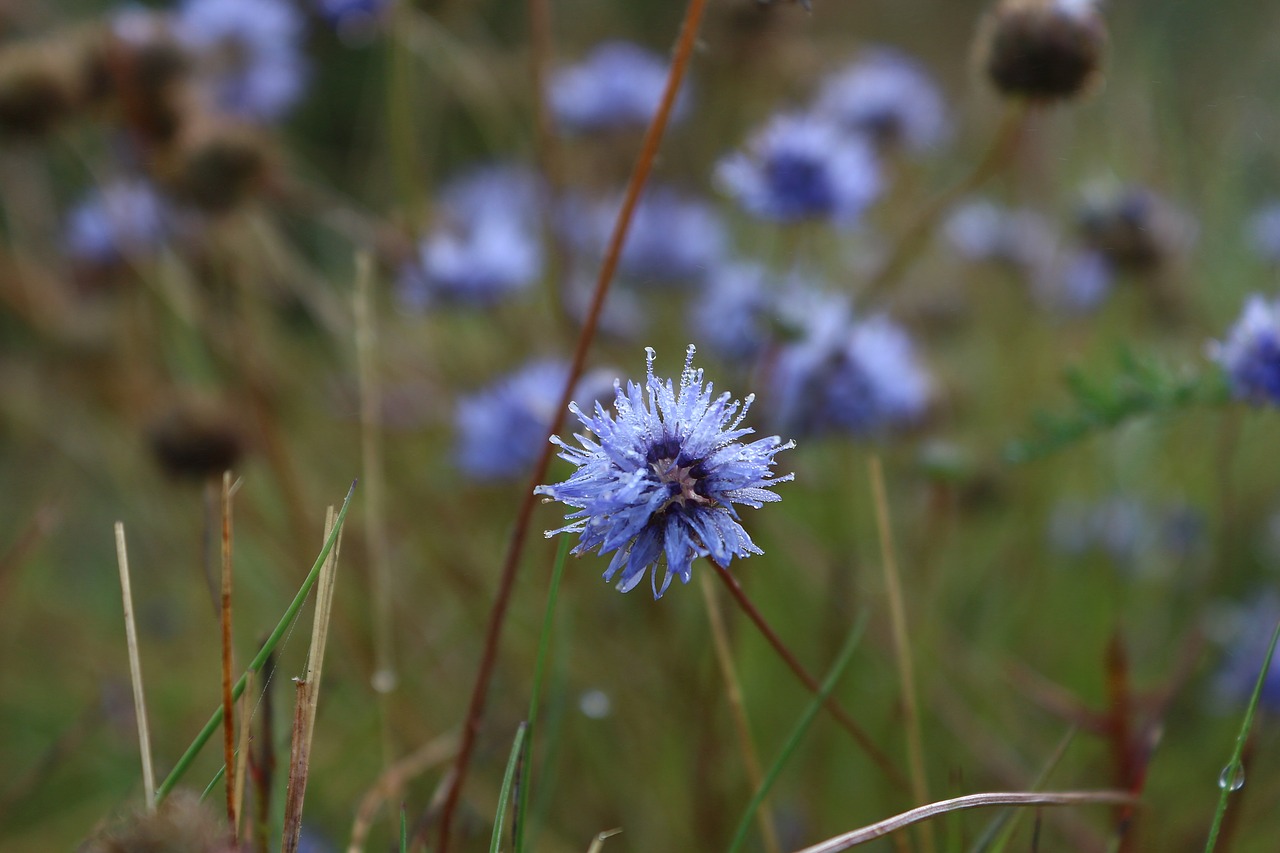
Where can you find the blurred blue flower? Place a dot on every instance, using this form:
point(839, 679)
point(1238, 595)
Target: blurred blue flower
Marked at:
point(983, 231)
point(617, 86)
point(115, 222)
point(859, 377)
point(1251, 353)
point(657, 480)
point(802, 167)
point(485, 245)
point(674, 238)
point(1079, 284)
point(1248, 634)
point(889, 97)
point(732, 315)
point(1264, 232)
point(250, 54)
point(501, 429)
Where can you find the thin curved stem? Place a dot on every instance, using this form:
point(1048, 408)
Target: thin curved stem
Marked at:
point(515, 546)
point(969, 801)
point(846, 721)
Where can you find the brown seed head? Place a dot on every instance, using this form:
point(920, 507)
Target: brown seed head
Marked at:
point(196, 438)
point(40, 87)
point(1043, 50)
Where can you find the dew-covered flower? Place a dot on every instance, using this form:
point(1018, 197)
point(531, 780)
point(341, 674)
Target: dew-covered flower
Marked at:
point(485, 245)
point(674, 238)
point(802, 167)
point(861, 377)
point(657, 479)
point(250, 62)
point(1251, 353)
point(1264, 232)
point(501, 429)
point(888, 96)
point(115, 222)
point(617, 86)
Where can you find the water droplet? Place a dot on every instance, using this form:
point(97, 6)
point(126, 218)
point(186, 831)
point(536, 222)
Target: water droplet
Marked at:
point(1232, 777)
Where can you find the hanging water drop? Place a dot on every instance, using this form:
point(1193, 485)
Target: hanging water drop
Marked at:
point(1232, 777)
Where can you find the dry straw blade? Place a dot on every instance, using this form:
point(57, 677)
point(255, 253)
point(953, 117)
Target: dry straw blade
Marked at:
point(135, 670)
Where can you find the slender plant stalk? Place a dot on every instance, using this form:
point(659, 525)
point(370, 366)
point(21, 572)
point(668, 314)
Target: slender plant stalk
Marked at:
point(515, 548)
point(597, 843)
point(392, 783)
point(1235, 767)
point(135, 672)
point(737, 709)
point(309, 697)
point(917, 234)
point(381, 600)
point(535, 698)
point(969, 801)
point(263, 762)
point(901, 647)
point(242, 761)
point(404, 832)
point(273, 640)
point(504, 795)
point(793, 663)
point(798, 733)
point(228, 662)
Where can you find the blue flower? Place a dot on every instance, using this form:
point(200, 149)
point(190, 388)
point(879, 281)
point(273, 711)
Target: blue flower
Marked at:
point(1264, 232)
point(1248, 631)
point(353, 19)
point(501, 428)
point(887, 96)
point(618, 86)
point(657, 480)
point(1251, 353)
point(115, 222)
point(802, 167)
point(250, 57)
point(1079, 284)
point(674, 238)
point(732, 316)
point(843, 376)
point(486, 244)
point(983, 231)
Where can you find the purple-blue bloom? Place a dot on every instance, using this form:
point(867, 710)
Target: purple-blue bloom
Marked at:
point(1251, 353)
point(889, 97)
point(1249, 631)
point(116, 221)
point(501, 428)
point(657, 480)
point(860, 377)
point(485, 245)
point(250, 54)
point(732, 315)
point(353, 19)
point(617, 86)
point(1264, 232)
point(983, 231)
point(674, 238)
point(1079, 284)
point(802, 167)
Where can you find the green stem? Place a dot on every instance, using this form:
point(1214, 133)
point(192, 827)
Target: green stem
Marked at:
point(1235, 766)
point(797, 734)
point(184, 763)
point(504, 796)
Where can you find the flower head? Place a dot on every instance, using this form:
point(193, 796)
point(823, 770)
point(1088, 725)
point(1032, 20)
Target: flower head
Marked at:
point(501, 428)
point(802, 167)
point(250, 57)
point(732, 314)
point(1079, 283)
point(1264, 232)
point(486, 244)
point(115, 222)
point(1044, 50)
point(618, 86)
point(981, 230)
point(888, 96)
point(674, 238)
point(1251, 353)
point(657, 479)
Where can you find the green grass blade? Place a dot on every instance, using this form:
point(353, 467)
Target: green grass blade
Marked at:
point(184, 763)
point(1235, 766)
point(539, 669)
point(999, 831)
point(798, 733)
point(404, 832)
point(504, 796)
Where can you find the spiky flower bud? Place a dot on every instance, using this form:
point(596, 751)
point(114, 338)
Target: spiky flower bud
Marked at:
point(1043, 50)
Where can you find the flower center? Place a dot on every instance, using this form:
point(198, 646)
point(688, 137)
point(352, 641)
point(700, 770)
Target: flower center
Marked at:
point(681, 477)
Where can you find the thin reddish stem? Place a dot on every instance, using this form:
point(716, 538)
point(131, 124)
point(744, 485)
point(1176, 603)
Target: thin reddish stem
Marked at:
point(793, 663)
point(515, 546)
point(228, 715)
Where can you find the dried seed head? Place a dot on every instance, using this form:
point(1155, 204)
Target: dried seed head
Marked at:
point(217, 165)
point(147, 67)
point(180, 825)
point(196, 438)
point(1043, 50)
point(39, 88)
point(1134, 228)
